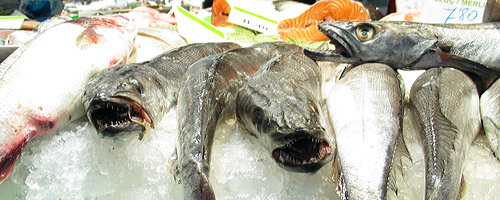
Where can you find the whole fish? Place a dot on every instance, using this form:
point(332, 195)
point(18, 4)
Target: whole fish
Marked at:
point(130, 98)
point(208, 94)
point(281, 105)
point(365, 108)
point(41, 83)
point(412, 45)
point(490, 115)
point(445, 105)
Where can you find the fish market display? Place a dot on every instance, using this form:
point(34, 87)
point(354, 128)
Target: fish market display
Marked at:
point(304, 26)
point(412, 45)
point(210, 87)
point(445, 105)
point(490, 115)
point(365, 108)
point(133, 97)
point(281, 105)
point(42, 82)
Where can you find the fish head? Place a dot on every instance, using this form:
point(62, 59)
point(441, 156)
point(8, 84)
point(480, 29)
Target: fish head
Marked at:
point(124, 100)
point(290, 130)
point(397, 44)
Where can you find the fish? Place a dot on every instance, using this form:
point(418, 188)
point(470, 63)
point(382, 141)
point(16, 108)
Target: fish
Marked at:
point(207, 96)
point(444, 103)
point(41, 83)
point(220, 12)
point(413, 45)
point(151, 42)
point(305, 26)
point(128, 99)
point(365, 108)
point(281, 106)
point(490, 115)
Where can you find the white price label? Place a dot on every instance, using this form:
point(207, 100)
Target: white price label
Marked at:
point(11, 22)
point(195, 29)
point(252, 20)
point(453, 11)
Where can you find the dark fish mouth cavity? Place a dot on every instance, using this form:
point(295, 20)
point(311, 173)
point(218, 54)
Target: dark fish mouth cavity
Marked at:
point(307, 154)
point(112, 118)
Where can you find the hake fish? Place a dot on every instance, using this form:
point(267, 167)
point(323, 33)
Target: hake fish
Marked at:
point(208, 95)
point(365, 108)
point(128, 99)
point(490, 115)
point(412, 45)
point(41, 83)
point(445, 105)
point(281, 106)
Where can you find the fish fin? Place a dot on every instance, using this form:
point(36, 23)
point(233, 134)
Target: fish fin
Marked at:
point(402, 160)
point(8, 160)
point(338, 176)
point(88, 37)
point(463, 188)
point(491, 131)
point(173, 167)
point(439, 58)
point(446, 135)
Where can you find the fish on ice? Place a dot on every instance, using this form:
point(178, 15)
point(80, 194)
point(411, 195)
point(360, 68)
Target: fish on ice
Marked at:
point(41, 83)
point(128, 99)
point(282, 107)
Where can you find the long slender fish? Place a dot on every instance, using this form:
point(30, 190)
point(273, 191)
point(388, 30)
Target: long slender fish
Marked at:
point(412, 45)
point(210, 87)
point(128, 99)
point(281, 105)
point(445, 105)
point(490, 115)
point(42, 82)
point(365, 108)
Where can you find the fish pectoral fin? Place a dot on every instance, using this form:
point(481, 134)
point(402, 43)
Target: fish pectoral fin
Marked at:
point(173, 167)
point(402, 160)
point(338, 176)
point(463, 188)
point(492, 134)
point(439, 58)
point(445, 140)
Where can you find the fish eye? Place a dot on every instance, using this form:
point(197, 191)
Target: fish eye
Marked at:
point(365, 32)
point(136, 84)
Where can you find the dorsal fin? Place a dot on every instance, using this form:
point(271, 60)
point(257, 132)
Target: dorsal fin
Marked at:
point(446, 133)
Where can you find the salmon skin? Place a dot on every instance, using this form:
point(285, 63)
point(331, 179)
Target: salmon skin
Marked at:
point(304, 27)
point(208, 94)
point(126, 100)
point(412, 45)
point(41, 83)
point(281, 106)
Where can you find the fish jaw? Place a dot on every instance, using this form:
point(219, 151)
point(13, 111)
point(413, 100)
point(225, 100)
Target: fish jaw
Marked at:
point(342, 39)
point(117, 116)
point(305, 154)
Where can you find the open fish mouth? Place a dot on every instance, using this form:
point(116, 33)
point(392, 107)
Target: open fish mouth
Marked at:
point(343, 51)
point(118, 115)
point(307, 154)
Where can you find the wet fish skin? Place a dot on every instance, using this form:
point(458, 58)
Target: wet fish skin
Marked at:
point(128, 99)
point(445, 104)
point(412, 45)
point(208, 94)
point(41, 83)
point(365, 109)
point(281, 105)
point(490, 115)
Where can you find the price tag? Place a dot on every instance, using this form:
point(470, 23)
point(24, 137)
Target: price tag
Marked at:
point(453, 11)
point(195, 29)
point(11, 22)
point(252, 20)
